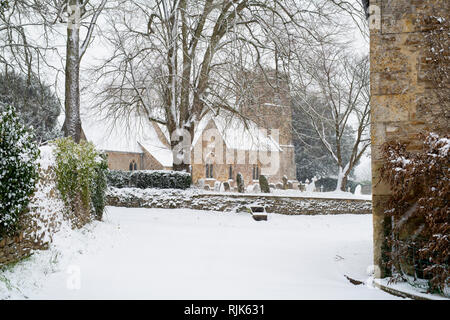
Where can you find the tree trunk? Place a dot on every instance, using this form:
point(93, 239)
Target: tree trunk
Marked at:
point(72, 123)
point(344, 183)
point(342, 179)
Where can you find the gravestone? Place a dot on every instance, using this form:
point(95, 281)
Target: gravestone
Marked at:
point(263, 183)
point(285, 182)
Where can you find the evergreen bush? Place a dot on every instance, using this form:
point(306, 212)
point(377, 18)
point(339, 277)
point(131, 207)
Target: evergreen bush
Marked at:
point(35, 103)
point(99, 186)
point(118, 178)
point(18, 170)
point(144, 179)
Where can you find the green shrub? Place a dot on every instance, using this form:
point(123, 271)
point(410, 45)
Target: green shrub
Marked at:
point(18, 170)
point(118, 178)
point(144, 179)
point(99, 185)
point(80, 174)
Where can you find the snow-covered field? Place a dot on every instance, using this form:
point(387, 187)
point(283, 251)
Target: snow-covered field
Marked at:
point(188, 254)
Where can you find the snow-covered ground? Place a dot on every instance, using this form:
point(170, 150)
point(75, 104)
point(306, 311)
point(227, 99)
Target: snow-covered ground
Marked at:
point(188, 254)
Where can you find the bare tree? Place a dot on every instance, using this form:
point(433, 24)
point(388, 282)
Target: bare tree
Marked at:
point(174, 61)
point(30, 28)
point(341, 82)
point(21, 23)
point(77, 14)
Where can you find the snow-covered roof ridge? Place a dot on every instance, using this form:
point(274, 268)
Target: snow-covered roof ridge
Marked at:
point(136, 135)
point(159, 151)
point(237, 134)
point(133, 135)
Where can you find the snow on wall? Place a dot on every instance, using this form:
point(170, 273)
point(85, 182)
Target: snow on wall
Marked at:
point(196, 199)
point(44, 216)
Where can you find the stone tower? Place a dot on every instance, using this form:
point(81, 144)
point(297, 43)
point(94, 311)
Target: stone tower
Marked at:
point(407, 96)
point(268, 103)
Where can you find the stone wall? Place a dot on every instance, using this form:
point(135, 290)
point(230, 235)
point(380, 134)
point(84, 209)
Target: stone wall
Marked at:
point(406, 95)
point(43, 218)
point(38, 222)
point(189, 199)
point(13, 249)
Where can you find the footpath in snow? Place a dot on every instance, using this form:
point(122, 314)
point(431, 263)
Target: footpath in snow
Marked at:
point(188, 254)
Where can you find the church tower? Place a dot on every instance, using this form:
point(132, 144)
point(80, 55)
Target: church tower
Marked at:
point(267, 102)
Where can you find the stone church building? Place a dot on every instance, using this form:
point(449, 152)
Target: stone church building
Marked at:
point(258, 141)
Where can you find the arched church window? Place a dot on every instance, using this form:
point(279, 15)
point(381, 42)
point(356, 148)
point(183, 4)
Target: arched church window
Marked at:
point(255, 172)
point(209, 171)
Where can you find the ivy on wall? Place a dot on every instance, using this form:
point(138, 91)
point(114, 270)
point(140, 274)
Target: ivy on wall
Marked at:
point(18, 170)
point(81, 176)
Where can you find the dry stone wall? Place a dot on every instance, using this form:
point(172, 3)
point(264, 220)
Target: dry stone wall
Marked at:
point(41, 220)
point(44, 216)
point(171, 198)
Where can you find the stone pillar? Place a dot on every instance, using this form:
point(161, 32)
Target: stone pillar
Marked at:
point(404, 98)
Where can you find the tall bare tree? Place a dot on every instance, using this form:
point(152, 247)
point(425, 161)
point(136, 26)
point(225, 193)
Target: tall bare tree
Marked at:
point(174, 61)
point(24, 37)
point(78, 14)
point(340, 81)
point(31, 28)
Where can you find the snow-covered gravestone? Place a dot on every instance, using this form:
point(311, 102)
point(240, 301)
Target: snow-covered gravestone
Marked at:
point(311, 186)
point(240, 183)
point(358, 190)
point(285, 182)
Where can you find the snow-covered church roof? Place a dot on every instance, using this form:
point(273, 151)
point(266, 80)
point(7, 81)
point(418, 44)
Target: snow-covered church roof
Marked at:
point(127, 136)
point(238, 135)
point(137, 134)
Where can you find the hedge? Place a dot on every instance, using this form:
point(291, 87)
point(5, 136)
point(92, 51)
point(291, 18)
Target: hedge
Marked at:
point(144, 179)
point(329, 184)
